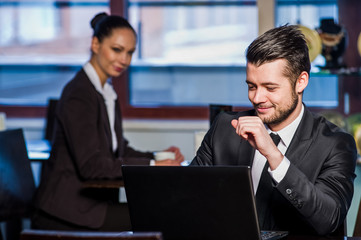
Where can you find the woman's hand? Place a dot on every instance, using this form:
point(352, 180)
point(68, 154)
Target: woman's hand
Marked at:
point(178, 159)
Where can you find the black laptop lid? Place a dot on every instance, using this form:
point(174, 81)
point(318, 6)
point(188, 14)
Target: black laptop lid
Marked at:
point(192, 202)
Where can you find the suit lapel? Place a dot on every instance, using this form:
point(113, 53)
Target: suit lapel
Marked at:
point(302, 139)
point(245, 150)
point(118, 127)
point(245, 153)
point(105, 119)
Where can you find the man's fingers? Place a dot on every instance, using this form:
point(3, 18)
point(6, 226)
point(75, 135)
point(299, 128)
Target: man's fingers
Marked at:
point(234, 123)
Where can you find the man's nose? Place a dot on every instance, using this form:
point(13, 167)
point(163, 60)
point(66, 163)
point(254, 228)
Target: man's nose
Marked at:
point(259, 96)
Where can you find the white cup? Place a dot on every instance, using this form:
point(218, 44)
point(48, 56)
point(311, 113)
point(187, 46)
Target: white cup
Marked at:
point(162, 155)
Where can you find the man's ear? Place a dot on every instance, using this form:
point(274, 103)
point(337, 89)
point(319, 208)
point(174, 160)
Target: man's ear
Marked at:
point(95, 45)
point(302, 82)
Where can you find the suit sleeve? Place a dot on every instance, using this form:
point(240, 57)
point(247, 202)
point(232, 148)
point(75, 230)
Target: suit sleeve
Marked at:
point(323, 201)
point(126, 153)
point(135, 157)
point(204, 154)
point(221, 144)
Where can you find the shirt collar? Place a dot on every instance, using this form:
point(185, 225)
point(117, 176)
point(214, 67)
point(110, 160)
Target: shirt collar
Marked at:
point(287, 133)
point(107, 91)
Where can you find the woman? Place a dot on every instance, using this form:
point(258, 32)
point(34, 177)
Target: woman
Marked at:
point(89, 142)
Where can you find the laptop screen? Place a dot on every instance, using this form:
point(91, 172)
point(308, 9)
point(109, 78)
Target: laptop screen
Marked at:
point(194, 202)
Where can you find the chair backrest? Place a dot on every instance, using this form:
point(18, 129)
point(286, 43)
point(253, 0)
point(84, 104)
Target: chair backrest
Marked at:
point(215, 109)
point(50, 119)
point(17, 185)
point(30, 234)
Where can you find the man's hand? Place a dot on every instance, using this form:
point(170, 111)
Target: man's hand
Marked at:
point(252, 129)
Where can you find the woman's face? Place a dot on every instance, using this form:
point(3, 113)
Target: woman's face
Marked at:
point(112, 56)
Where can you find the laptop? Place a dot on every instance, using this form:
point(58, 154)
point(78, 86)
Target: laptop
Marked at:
point(194, 202)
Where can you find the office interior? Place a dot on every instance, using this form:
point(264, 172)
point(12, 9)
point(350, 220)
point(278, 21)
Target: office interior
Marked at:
point(190, 54)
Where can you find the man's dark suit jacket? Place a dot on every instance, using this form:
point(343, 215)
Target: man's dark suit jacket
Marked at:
point(82, 150)
point(316, 192)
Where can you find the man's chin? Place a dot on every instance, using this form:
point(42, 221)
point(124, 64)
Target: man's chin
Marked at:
point(263, 117)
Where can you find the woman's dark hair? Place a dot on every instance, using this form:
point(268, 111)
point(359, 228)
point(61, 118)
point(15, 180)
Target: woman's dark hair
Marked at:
point(103, 25)
point(285, 42)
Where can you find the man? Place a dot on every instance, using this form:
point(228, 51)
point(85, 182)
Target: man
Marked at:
point(311, 169)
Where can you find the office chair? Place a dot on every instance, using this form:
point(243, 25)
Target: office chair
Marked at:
point(17, 185)
point(215, 109)
point(50, 119)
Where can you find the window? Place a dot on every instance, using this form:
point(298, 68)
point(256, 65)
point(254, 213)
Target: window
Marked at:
point(193, 32)
point(190, 53)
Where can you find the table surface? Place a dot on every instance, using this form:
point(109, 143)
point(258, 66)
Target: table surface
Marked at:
point(320, 238)
point(103, 184)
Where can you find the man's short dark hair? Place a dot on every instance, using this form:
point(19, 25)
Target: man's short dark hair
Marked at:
point(285, 42)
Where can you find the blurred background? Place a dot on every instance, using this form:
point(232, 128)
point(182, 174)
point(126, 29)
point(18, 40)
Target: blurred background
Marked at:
point(190, 55)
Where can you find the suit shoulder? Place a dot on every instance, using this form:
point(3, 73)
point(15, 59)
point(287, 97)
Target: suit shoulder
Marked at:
point(330, 129)
point(79, 85)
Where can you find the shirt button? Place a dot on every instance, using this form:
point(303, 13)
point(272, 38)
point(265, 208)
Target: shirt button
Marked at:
point(288, 191)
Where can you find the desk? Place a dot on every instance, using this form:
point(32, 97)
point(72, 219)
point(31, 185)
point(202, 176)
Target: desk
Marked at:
point(103, 184)
point(320, 238)
point(108, 184)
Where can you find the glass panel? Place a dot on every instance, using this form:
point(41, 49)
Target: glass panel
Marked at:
point(42, 43)
point(193, 32)
point(201, 86)
point(322, 91)
point(187, 50)
point(33, 84)
point(194, 55)
point(188, 86)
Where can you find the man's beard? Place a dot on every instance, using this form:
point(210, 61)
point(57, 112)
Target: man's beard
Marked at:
point(281, 114)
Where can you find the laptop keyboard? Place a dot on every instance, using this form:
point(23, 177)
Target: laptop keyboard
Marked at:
point(272, 235)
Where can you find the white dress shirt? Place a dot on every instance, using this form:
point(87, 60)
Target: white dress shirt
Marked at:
point(259, 160)
point(109, 96)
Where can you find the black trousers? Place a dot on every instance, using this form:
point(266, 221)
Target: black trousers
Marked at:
point(116, 220)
